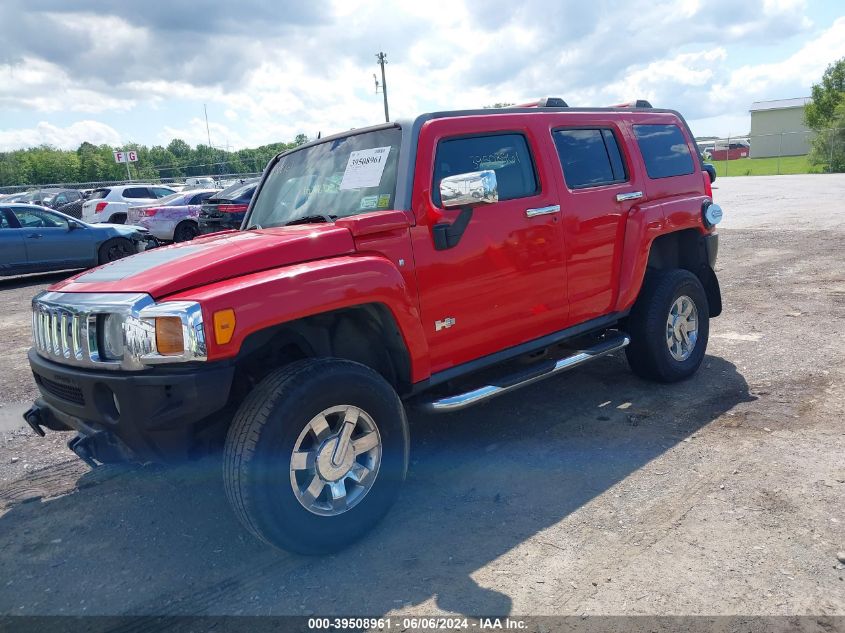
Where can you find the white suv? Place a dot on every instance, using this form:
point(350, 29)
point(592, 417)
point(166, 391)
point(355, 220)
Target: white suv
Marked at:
point(110, 204)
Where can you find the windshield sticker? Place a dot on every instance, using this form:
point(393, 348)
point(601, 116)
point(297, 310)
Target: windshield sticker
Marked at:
point(364, 168)
point(368, 202)
point(383, 200)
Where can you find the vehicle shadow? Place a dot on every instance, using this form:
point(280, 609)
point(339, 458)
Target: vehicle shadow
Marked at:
point(163, 540)
point(37, 279)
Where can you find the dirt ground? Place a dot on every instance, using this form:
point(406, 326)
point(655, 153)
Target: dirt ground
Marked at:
point(590, 493)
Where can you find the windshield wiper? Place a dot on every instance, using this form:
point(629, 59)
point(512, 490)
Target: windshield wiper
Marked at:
point(316, 217)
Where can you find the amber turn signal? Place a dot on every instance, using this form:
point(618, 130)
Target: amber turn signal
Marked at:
point(169, 339)
point(224, 326)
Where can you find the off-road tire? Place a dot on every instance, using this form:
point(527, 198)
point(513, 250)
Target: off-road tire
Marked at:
point(257, 454)
point(114, 249)
point(185, 231)
point(648, 354)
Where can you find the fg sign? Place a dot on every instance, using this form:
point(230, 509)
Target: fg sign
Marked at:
point(126, 157)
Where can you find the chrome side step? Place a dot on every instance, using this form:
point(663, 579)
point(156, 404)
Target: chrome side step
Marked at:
point(521, 379)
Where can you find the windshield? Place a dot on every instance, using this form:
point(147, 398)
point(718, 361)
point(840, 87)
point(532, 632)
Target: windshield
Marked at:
point(346, 176)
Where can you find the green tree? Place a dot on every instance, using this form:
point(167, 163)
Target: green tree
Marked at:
point(827, 94)
point(826, 115)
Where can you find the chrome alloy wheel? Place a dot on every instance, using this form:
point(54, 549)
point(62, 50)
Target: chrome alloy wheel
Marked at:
point(335, 460)
point(682, 328)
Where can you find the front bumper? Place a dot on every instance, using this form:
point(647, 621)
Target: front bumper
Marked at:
point(152, 415)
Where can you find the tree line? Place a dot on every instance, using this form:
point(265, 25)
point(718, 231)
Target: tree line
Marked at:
point(95, 163)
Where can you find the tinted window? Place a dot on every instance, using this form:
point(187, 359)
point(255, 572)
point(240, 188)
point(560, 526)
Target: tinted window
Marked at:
point(98, 194)
point(198, 198)
point(36, 218)
point(4, 221)
point(73, 195)
point(589, 157)
point(506, 154)
point(239, 193)
point(60, 199)
point(137, 192)
point(664, 150)
point(161, 192)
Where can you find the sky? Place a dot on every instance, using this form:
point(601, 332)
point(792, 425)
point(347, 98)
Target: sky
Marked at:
point(120, 72)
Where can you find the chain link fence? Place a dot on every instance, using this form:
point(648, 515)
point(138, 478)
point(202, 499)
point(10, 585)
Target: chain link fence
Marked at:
point(220, 180)
point(777, 153)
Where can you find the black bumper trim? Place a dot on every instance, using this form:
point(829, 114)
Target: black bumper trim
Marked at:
point(152, 412)
point(711, 247)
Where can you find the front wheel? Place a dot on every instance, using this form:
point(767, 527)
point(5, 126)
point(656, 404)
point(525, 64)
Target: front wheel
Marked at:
point(114, 249)
point(316, 455)
point(669, 326)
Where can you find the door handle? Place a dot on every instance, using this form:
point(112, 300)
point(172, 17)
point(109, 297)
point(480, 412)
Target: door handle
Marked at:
point(530, 213)
point(631, 195)
point(35, 236)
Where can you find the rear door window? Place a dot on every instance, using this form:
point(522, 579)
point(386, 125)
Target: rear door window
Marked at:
point(161, 192)
point(665, 150)
point(589, 157)
point(506, 154)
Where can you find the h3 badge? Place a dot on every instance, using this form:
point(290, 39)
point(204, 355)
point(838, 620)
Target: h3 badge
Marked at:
point(444, 324)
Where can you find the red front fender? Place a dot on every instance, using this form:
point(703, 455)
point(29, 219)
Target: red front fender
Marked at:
point(264, 299)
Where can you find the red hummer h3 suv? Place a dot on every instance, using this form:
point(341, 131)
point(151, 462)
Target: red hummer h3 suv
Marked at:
point(377, 268)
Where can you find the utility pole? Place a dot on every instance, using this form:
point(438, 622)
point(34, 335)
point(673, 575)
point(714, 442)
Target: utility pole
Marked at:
point(382, 60)
point(207, 130)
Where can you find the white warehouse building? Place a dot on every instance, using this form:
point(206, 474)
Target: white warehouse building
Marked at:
point(778, 128)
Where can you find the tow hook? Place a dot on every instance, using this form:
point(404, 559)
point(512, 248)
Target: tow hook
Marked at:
point(33, 418)
point(80, 446)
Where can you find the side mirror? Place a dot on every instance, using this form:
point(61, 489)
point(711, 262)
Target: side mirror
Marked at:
point(711, 171)
point(469, 189)
point(465, 191)
point(72, 226)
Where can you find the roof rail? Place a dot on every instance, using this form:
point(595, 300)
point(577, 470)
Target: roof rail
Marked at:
point(639, 103)
point(545, 102)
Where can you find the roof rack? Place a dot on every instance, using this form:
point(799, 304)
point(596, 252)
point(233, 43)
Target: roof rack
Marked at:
point(545, 102)
point(639, 103)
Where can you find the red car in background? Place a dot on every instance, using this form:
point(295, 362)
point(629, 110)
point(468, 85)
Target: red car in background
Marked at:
point(731, 151)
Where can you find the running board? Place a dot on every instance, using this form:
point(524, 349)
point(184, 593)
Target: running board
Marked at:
point(524, 378)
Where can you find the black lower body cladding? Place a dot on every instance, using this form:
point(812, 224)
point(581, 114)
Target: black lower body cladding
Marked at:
point(150, 415)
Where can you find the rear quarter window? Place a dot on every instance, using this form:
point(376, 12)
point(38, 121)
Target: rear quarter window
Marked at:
point(137, 192)
point(99, 194)
point(665, 151)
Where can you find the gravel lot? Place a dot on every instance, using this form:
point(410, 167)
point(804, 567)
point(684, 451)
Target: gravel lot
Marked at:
point(590, 493)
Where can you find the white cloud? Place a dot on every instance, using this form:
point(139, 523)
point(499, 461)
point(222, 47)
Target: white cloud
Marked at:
point(311, 70)
point(69, 137)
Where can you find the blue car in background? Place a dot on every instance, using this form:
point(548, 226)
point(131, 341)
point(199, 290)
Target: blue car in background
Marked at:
point(34, 239)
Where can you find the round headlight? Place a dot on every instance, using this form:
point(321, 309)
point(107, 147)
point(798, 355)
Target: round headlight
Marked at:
point(113, 337)
point(713, 214)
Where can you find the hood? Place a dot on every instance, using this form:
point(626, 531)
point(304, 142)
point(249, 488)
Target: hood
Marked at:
point(163, 271)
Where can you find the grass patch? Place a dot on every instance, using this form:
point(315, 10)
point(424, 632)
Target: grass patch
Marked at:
point(762, 166)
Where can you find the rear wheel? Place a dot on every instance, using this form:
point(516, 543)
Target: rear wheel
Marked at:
point(316, 455)
point(185, 231)
point(669, 326)
point(114, 249)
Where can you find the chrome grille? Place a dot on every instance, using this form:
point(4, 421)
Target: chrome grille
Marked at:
point(60, 332)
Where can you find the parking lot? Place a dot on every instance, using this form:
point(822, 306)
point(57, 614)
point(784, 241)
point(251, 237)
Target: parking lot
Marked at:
point(590, 493)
